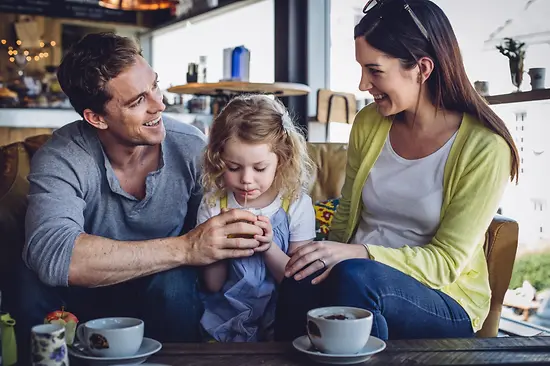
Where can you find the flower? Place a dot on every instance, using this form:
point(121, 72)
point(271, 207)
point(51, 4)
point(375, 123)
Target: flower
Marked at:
point(512, 49)
point(58, 354)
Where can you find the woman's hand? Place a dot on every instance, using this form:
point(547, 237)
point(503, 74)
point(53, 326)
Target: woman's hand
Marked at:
point(318, 255)
point(266, 239)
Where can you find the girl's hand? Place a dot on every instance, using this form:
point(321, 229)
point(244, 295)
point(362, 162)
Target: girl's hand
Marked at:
point(310, 258)
point(266, 239)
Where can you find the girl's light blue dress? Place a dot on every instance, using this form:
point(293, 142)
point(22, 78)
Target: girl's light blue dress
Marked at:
point(244, 309)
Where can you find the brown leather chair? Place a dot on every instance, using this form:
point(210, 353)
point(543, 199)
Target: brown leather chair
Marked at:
point(501, 239)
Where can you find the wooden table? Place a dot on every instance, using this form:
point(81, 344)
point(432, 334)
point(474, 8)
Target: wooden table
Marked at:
point(229, 88)
point(478, 351)
point(223, 91)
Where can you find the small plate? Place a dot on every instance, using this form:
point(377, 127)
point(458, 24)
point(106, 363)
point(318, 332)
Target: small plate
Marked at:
point(148, 347)
point(374, 345)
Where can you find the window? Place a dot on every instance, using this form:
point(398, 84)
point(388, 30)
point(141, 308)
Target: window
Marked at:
point(174, 48)
point(345, 72)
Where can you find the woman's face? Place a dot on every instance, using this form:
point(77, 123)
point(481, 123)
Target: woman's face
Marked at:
point(394, 88)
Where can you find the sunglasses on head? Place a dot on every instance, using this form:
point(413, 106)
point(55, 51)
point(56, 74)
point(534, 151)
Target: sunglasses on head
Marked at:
point(378, 5)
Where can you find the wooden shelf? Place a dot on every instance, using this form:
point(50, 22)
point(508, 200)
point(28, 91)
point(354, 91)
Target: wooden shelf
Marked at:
point(527, 96)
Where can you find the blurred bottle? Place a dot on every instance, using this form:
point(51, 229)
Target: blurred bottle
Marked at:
point(202, 69)
point(240, 63)
point(192, 69)
point(9, 347)
point(236, 63)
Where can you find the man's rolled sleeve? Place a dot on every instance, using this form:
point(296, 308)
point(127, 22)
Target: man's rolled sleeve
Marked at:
point(55, 215)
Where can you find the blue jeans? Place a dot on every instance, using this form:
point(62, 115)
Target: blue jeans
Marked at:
point(403, 308)
point(168, 302)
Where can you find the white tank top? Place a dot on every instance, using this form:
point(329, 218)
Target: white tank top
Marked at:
point(402, 199)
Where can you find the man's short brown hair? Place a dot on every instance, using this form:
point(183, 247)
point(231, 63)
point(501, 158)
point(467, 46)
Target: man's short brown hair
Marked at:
point(90, 64)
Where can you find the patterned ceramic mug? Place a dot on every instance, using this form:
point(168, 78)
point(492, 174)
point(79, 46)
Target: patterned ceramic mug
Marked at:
point(48, 345)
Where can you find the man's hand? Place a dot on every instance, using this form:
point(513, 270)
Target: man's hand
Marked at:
point(209, 242)
point(267, 238)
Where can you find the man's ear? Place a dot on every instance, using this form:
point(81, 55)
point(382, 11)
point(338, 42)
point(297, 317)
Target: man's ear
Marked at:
point(426, 67)
point(94, 119)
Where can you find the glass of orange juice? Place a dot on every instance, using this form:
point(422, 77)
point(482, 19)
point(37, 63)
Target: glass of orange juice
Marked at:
point(246, 208)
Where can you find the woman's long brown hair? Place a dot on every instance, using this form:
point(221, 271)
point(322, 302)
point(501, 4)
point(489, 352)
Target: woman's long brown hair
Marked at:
point(397, 35)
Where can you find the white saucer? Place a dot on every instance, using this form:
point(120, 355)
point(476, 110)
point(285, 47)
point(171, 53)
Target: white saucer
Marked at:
point(148, 347)
point(374, 345)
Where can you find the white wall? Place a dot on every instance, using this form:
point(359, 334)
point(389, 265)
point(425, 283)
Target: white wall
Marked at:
point(473, 21)
point(251, 26)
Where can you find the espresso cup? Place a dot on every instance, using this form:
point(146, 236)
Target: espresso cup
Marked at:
point(339, 329)
point(111, 337)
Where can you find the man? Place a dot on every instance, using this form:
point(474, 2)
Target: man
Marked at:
point(113, 201)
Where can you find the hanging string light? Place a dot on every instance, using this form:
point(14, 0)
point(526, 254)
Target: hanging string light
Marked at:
point(139, 5)
point(20, 52)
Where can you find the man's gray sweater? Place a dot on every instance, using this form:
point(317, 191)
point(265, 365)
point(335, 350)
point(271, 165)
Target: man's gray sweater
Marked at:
point(74, 190)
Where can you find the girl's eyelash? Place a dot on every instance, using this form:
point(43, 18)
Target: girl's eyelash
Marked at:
point(235, 169)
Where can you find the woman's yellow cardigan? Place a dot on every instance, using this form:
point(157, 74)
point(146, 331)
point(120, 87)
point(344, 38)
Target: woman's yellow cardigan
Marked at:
point(476, 174)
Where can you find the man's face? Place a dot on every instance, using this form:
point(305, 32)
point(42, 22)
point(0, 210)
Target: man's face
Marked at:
point(133, 115)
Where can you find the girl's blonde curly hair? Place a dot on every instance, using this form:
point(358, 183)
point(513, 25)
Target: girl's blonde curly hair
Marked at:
point(258, 119)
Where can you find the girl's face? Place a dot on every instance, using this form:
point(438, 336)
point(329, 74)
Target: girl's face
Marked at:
point(394, 89)
point(250, 171)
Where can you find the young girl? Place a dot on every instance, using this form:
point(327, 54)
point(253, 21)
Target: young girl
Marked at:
point(256, 160)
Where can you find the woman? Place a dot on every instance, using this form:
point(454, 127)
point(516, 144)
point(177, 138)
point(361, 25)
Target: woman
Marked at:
point(427, 165)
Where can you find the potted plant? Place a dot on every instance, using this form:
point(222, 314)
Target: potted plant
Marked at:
point(515, 52)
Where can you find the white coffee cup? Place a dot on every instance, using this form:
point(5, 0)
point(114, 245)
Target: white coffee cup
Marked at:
point(537, 75)
point(482, 87)
point(111, 337)
point(339, 329)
